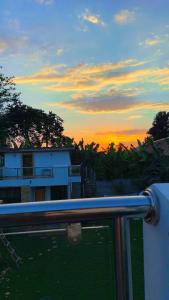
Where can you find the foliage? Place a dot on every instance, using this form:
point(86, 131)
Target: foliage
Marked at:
point(8, 95)
point(24, 126)
point(8, 92)
point(87, 152)
point(31, 127)
point(144, 164)
point(160, 126)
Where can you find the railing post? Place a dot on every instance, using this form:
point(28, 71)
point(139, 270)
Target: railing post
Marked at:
point(122, 260)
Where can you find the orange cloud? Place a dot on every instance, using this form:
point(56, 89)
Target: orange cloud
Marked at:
point(135, 117)
point(125, 16)
point(13, 44)
point(85, 77)
point(92, 18)
point(152, 42)
point(126, 137)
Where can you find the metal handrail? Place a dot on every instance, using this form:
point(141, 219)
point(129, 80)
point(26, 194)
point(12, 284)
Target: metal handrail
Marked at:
point(74, 210)
point(116, 208)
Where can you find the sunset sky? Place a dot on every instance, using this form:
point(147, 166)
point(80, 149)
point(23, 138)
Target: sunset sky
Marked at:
point(101, 65)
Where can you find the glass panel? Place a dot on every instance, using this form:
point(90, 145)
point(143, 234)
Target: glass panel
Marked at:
point(49, 267)
point(137, 258)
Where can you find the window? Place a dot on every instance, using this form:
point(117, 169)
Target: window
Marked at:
point(27, 164)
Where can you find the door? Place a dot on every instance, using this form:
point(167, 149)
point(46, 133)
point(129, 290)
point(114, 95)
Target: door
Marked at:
point(10, 195)
point(40, 194)
point(59, 192)
point(27, 164)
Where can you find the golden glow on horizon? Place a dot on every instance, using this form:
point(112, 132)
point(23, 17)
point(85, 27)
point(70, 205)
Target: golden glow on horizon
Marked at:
point(104, 139)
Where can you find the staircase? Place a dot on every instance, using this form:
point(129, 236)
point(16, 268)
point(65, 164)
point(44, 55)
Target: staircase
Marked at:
point(16, 258)
point(4, 273)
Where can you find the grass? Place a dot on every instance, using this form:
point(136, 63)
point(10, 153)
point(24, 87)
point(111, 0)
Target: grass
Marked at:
point(53, 269)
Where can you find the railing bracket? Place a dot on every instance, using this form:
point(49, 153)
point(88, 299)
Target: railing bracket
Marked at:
point(153, 214)
point(74, 232)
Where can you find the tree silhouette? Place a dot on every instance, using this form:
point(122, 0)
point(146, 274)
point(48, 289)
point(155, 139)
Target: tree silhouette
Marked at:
point(160, 126)
point(8, 92)
point(31, 127)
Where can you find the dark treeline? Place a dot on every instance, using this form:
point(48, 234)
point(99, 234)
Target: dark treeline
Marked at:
point(24, 126)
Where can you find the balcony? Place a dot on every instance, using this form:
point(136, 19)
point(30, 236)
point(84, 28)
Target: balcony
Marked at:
point(37, 172)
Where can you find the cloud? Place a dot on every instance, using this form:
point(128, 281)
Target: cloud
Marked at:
point(14, 24)
point(92, 78)
point(112, 101)
point(124, 16)
point(13, 44)
point(3, 46)
point(92, 18)
point(135, 117)
point(59, 51)
point(127, 137)
point(84, 77)
point(45, 2)
point(151, 42)
point(123, 132)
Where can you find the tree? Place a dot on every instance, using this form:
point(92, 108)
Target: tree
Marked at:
point(31, 127)
point(8, 95)
point(8, 92)
point(160, 126)
point(50, 128)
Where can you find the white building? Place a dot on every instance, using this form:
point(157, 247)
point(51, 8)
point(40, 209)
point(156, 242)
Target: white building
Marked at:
point(38, 174)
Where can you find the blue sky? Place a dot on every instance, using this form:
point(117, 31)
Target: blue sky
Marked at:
point(103, 66)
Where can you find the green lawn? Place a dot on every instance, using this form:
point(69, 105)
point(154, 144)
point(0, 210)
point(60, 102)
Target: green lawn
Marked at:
point(53, 269)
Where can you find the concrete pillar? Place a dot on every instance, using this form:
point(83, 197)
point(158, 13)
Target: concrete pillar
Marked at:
point(47, 193)
point(156, 249)
point(69, 192)
point(26, 193)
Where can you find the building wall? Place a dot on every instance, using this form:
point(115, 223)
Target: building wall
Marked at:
point(76, 190)
point(58, 161)
point(61, 178)
point(41, 159)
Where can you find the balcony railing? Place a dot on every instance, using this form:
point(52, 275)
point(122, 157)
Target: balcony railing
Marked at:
point(26, 172)
point(153, 206)
point(70, 211)
point(37, 172)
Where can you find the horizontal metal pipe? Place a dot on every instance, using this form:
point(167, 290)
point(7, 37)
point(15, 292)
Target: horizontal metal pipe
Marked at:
point(56, 230)
point(73, 210)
